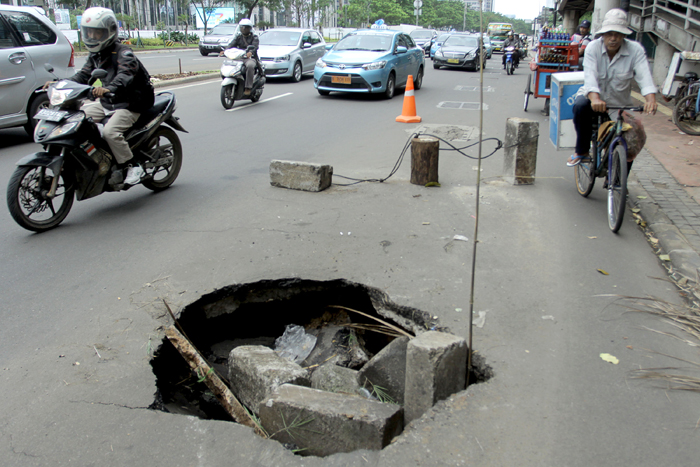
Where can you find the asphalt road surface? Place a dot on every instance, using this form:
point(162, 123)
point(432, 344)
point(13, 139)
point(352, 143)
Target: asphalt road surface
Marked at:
point(170, 61)
point(82, 311)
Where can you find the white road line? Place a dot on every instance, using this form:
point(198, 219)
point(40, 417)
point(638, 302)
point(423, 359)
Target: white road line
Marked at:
point(142, 56)
point(201, 59)
point(259, 102)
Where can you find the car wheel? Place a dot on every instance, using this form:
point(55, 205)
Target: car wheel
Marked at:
point(296, 73)
point(41, 101)
point(418, 82)
point(390, 86)
point(436, 66)
point(204, 53)
point(323, 93)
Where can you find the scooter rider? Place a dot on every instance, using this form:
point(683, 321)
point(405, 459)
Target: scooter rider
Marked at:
point(126, 78)
point(512, 41)
point(249, 42)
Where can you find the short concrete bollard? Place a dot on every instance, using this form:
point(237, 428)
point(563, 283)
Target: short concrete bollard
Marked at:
point(323, 423)
point(436, 367)
point(520, 159)
point(300, 175)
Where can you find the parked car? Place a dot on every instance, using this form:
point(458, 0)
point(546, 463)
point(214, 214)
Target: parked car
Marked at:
point(221, 35)
point(488, 47)
point(437, 43)
point(290, 52)
point(28, 41)
point(459, 51)
point(421, 36)
point(123, 35)
point(370, 61)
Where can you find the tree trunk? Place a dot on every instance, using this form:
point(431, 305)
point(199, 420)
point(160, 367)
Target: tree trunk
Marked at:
point(424, 161)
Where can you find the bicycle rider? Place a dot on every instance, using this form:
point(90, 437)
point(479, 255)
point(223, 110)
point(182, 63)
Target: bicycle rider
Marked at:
point(610, 64)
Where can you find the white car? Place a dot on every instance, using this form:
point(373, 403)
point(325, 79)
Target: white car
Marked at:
point(29, 41)
point(290, 52)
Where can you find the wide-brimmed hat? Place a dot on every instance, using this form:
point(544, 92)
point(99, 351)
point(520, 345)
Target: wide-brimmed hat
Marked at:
point(614, 20)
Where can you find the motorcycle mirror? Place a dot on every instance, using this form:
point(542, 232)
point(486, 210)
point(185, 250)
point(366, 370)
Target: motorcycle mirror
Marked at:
point(96, 74)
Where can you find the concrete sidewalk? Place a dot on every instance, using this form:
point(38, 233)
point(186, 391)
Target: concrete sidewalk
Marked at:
point(664, 187)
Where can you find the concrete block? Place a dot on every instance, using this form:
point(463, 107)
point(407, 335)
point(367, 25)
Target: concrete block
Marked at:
point(323, 423)
point(520, 158)
point(387, 369)
point(300, 175)
point(436, 367)
point(256, 371)
point(333, 378)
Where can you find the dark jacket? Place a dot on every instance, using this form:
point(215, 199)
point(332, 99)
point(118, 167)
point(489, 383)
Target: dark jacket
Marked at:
point(126, 78)
point(249, 43)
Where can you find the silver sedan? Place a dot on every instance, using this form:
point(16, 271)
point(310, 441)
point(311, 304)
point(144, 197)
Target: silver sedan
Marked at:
point(290, 52)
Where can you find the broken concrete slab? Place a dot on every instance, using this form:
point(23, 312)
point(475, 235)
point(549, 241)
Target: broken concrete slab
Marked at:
point(300, 175)
point(256, 371)
point(323, 423)
point(333, 378)
point(436, 367)
point(387, 370)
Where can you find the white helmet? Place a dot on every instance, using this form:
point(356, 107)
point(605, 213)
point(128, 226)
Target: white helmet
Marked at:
point(246, 26)
point(98, 28)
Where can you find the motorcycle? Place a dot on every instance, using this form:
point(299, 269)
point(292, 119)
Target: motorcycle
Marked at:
point(233, 75)
point(510, 60)
point(76, 162)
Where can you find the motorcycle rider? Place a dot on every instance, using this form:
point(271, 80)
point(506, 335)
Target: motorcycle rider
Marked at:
point(126, 78)
point(512, 41)
point(249, 42)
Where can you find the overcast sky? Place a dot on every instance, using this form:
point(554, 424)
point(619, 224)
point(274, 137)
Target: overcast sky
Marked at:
point(522, 9)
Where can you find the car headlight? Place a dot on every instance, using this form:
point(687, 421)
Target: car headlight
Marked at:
point(470, 55)
point(65, 128)
point(320, 63)
point(374, 65)
point(284, 58)
point(58, 96)
point(438, 53)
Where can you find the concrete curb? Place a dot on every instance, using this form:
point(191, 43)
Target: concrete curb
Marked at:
point(187, 79)
point(683, 256)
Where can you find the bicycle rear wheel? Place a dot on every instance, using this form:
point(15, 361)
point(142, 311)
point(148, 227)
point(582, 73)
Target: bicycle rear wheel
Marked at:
point(617, 187)
point(585, 176)
point(685, 117)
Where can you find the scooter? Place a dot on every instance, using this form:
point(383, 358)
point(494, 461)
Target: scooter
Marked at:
point(510, 61)
point(233, 75)
point(76, 161)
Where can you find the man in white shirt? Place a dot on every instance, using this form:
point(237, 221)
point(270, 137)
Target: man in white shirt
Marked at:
point(610, 64)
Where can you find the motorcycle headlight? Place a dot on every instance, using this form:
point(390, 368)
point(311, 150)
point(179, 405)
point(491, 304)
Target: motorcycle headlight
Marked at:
point(58, 96)
point(320, 63)
point(78, 117)
point(282, 59)
point(65, 128)
point(374, 65)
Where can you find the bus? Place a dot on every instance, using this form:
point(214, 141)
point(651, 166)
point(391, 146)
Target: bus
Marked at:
point(498, 33)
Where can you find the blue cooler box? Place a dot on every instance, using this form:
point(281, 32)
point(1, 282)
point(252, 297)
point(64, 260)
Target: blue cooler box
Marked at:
point(561, 105)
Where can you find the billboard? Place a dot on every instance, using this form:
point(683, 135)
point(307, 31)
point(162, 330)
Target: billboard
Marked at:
point(216, 15)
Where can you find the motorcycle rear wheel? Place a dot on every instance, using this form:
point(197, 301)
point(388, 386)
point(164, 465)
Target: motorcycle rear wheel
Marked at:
point(256, 95)
point(27, 201)
point(164, 149)
point(227, 98)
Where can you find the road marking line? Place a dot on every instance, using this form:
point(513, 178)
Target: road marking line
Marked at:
point(259, 102)
point(201, 59)
point(158, 56)
point(216, 80)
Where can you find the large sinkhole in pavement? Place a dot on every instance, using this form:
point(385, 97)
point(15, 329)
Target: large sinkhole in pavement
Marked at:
point(342, 361)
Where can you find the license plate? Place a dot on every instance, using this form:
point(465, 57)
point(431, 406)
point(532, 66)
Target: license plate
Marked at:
point(341, 80)
point(50, 115)
point(452, 60)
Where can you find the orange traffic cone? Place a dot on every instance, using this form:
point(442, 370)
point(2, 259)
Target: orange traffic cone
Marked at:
point(408, 114)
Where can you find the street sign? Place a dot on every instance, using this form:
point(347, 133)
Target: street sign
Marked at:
point(418, 3)
point(418, 12)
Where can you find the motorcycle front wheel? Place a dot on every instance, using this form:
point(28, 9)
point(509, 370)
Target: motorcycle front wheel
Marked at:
point(165, 147)
point(29, 204)
point(227, 98)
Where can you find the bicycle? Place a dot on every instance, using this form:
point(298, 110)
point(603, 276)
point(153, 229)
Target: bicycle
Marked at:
point(609, 160)
point(686, 113)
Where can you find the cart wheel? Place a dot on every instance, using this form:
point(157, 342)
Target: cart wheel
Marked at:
point(527, 94)
point(545, 111)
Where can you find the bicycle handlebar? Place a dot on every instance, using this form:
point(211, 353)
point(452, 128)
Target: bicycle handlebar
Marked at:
point(637, 108)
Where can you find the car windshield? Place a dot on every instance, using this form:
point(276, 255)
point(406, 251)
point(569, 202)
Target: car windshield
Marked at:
point(223, 30)
point(460, 41)
point(443, 37)
point(419, 34)
point(280, 38)
point(375, 42)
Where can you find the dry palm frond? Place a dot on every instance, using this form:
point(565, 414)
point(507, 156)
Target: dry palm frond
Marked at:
point(675, 381)
point(374, 328)
point(385, 323)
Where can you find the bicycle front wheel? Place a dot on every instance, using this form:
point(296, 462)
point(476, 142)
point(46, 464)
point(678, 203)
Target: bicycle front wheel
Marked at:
point(685, 117)
point(585, 176)
point(617, 187)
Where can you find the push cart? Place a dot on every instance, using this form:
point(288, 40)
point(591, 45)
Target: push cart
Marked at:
point(553, 56)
